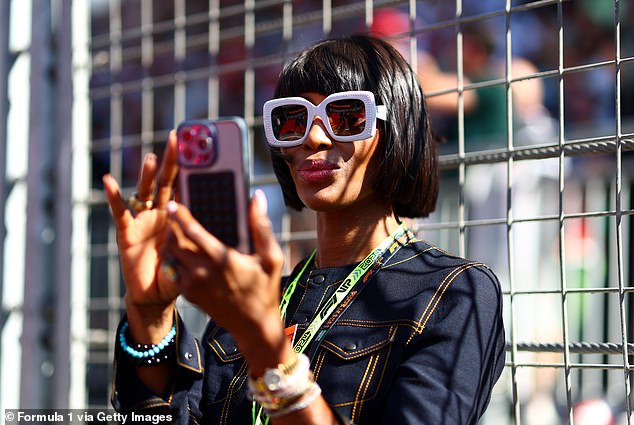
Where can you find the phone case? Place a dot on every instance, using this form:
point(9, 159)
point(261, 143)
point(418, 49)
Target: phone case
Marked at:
point(213, 180)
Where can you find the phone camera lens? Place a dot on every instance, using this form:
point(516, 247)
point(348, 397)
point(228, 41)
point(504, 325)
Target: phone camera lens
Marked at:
point(196, 144)
point(187, 134)
point(187, 154)
point(203, 158)
point(204, 144)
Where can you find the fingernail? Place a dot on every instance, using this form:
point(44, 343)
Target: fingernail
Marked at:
point(172, 207)
point(261, 201)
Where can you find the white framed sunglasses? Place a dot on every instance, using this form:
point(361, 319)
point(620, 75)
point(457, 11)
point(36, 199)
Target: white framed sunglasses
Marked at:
point(348, 116)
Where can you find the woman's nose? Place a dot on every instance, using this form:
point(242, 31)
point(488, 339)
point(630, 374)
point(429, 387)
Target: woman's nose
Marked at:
point(318, 137)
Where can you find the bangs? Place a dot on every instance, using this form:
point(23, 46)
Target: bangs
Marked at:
point(331, 66)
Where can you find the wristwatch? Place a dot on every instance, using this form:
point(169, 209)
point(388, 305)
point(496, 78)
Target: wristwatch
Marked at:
point(284, 377)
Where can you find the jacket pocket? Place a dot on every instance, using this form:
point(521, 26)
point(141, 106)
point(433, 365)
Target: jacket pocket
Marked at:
point(352, 362)
point(229, 370)
point(223, 345)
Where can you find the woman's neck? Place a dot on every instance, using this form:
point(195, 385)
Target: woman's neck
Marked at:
point(347, 236)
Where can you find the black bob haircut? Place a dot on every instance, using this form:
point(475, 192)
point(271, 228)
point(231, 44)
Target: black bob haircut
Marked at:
point(408, 173)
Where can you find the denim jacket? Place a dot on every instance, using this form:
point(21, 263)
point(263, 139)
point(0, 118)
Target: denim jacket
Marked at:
point(423, 343)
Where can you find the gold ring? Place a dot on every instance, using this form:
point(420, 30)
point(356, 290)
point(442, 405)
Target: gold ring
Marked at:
point(168, 268)
point(138, 205)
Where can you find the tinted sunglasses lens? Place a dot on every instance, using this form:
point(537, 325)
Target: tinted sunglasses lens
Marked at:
point(289, 122)
point(346, 116)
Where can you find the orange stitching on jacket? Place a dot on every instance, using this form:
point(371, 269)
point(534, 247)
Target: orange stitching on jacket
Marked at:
point(466, 267)
point(378, 324)
point(177, 348)
point(200, 367)
point(435, 299)
point(363, 387)
point(223, 354)
point(230, 392)
point(148, 404)
point(318, 364)
point(408, 259)
point(431, 305)
point(357, 354)
point(386, 361)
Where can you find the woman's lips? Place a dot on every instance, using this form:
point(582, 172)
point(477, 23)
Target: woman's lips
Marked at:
point(316, 171)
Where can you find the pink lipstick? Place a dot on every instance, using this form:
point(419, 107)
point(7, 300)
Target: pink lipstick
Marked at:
point(316, 170)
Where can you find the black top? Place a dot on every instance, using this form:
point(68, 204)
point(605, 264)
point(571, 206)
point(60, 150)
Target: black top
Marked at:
point(422, 344)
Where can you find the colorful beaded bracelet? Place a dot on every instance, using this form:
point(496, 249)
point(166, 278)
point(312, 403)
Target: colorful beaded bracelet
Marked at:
point(153, 354)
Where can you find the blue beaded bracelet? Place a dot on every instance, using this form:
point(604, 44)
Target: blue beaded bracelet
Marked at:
point(153, 353)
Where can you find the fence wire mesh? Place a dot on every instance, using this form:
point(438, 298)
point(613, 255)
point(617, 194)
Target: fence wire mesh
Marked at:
point(534, 101)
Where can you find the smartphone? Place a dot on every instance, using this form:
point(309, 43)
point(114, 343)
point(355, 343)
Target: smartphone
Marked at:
point(212, 180)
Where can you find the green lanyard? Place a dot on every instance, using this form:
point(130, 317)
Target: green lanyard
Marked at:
point(258, 417)
point(333, 303)
point(290, 289)
point(344, 289)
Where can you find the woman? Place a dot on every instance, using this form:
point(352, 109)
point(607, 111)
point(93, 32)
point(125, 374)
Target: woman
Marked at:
point(390, 329)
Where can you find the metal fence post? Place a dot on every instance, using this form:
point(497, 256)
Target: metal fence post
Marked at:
point(37, 367)
point(5, 8)
point(63, 204)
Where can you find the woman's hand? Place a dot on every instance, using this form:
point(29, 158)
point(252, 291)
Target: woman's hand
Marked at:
point(149, 295)
point(241, 292)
